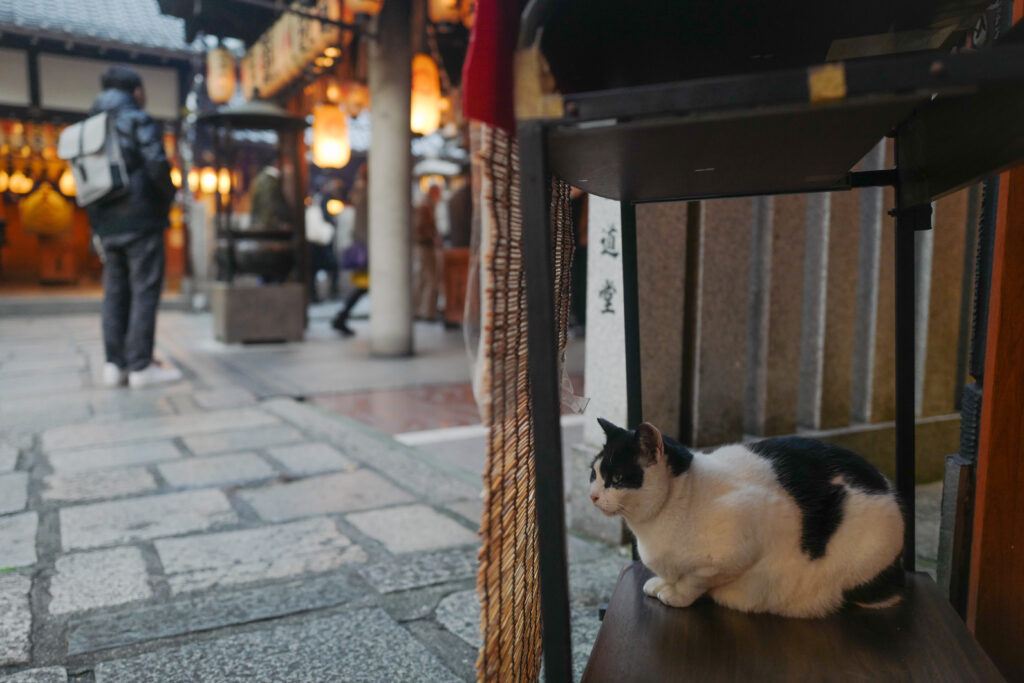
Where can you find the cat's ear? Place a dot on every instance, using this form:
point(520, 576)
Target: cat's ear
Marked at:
point(611, 431)
point(649, 443)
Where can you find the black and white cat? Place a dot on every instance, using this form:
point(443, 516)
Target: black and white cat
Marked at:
point(791, 526)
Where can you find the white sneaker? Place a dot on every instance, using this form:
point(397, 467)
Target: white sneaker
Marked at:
point(154, 373)
point(114, 376)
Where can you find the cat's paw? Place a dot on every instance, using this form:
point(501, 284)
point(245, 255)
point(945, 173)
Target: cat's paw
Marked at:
point(653, 585)
point(668, 596)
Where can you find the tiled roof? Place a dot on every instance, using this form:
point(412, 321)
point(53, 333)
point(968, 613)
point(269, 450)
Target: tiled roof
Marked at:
point(129, 22)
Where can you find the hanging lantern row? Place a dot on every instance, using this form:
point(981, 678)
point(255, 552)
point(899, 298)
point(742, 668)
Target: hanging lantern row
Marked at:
point(370, 7)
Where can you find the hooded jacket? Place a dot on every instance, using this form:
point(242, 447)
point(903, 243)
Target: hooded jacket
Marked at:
point(146, 205)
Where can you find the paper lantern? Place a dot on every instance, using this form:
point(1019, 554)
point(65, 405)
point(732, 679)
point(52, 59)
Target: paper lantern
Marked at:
point(330, 137)
point(224, 181)
point(356, 97)
point(444, 11)
point(371, 7)
point(335, 206)
point(425, 116)
point(468, 13)
point(20, 183)
point(4, 180)
point(193, 180)
point(176, 177)
point(66, 184)
point(220, 75)
point(208, 180)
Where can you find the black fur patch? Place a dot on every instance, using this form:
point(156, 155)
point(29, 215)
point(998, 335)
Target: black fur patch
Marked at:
point(887, 584)
point(805, 469)
point(619, 460)
point(678, 456)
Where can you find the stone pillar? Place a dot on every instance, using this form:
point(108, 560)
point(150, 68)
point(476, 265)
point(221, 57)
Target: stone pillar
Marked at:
point(604, 364)
point(713, 405)
point(390, 174)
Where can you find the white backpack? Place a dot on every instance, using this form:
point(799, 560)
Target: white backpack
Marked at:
point(93, 150)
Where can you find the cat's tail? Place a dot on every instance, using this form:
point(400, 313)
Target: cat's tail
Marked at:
point(885, 590)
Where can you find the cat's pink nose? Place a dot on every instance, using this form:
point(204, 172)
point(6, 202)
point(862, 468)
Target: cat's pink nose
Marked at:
point(594, 497)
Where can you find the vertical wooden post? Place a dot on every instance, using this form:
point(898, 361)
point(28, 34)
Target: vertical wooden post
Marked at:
point(995, 609)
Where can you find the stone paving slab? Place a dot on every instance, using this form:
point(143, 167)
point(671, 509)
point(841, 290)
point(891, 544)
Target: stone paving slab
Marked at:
point(13, 492)
point(362, 645)
point(258, 437)
point(359, 442)
point(98, 524)
point(98, 484)
point(149, 428)
point(206, 611)
point(420, 570)
point(306, 459)
point(39, 384)
point(220, 470)
point(321, 495)
point(8, 457)
point(236, 557)
point(411, 528)
point(101, 578)
point(460, 614)
point(50, 674)
point(18, 539)
point(141, 453)
point(15, 619)
point(470, 510)
point(223, 397)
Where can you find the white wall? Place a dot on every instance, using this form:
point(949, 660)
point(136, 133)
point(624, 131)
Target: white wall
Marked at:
point(14, 77)
point(72, 83)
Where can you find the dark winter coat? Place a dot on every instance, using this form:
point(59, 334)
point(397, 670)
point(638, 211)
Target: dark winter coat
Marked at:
point(146, 205)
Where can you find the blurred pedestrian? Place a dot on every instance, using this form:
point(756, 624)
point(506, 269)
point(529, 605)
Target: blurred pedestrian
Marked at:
point(320, 235)
point(356, 255)
point(426, 243)
point(128, 232)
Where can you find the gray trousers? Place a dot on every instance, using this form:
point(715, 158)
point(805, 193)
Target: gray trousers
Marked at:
point(133, 277)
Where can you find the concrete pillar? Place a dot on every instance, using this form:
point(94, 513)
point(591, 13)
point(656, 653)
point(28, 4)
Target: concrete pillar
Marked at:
point(390, 174)
point(713, 407)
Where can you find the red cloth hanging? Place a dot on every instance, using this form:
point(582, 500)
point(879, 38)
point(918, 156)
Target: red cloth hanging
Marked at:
point(488, 76)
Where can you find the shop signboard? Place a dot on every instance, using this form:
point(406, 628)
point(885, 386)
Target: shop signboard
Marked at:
point(287, 47)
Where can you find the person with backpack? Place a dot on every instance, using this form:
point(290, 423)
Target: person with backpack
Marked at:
point(128, 230)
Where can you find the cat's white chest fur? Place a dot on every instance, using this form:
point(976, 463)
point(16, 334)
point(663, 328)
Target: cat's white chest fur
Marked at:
point(727, 526)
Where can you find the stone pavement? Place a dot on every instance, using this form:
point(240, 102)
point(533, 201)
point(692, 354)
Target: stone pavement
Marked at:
point(221, 529)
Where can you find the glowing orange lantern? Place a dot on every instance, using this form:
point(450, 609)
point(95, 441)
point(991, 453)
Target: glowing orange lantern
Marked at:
point(444, 11)
point(330, 137)
point(193, 180)
point(20, 183)
point(66, 184)
point(425, 117)
point(208, 180)
point(468, 13)
point(335, 206)
point(224, 181)
point(220, 75)
point(371, 7)
point(176, 177)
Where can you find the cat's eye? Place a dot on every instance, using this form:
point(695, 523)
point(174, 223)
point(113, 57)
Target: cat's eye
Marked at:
point(593, 475)
point(616, 478)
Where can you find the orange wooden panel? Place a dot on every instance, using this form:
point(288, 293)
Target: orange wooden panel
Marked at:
point(996, 591)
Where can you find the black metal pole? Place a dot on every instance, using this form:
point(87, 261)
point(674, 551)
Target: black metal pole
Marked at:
point(631, 316)
point(910, 217)
point(905, 379)
point(535, 191)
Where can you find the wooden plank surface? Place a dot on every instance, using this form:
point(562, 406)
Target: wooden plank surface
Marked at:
point(919, 640)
